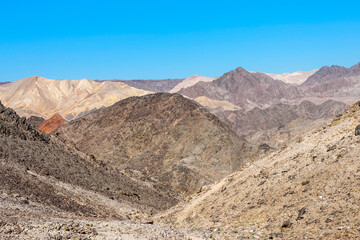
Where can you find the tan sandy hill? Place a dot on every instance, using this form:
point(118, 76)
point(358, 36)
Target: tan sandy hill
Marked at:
point(166, 136)
point(190, 81)
point(309, 189)
point(44, 97)
point(296, 78)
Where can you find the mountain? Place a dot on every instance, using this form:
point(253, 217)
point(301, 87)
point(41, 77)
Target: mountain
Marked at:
point(53, 175)
point(2, 83)
point(250, 123)
point(44, 97)
point(309, 189)
point(166, 136)
point(190, 81)
point(244, 89)
point(52, 124)
point(163, 85)
point(333, 82)
point(295, 78)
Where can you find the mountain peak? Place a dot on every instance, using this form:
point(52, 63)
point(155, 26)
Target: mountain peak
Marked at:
point(240, 69)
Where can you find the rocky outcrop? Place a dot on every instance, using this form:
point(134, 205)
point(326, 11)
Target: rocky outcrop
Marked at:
point(52, 124)
point(35, 121)
point(166, 136)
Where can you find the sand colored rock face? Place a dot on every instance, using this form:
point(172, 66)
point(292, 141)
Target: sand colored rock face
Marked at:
point(44, 97)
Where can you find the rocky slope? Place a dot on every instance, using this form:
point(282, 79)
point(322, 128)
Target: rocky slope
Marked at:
point(41, 170)
point(250, 123)
point(35, 121)
point(44, 97)
point(244, 89)
point(163, 85)
point(166, 136)
point(309, 189)
point(52, 124)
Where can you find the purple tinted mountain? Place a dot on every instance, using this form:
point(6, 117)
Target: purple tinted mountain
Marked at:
point(334, 81)
point(244, 89)
point(166, 136)
point(163, 85)
point(41, 169)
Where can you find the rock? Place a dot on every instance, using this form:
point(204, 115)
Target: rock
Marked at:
point(286, 224)
point(331, 148)
point(305, 182)
point(301, 213)
point(357, 130)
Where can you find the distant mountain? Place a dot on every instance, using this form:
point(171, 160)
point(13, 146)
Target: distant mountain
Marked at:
point(166, 136)
point(295, 78)
point(244, 89)
point(52, 124)
point(163, 85)
point(190, 81)
point(334, 81)
point(44, 97)
point(46, 172)
point(2, 83)
point(258, 125)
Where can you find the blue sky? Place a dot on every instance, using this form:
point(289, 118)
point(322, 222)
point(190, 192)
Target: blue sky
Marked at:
point(173, 39)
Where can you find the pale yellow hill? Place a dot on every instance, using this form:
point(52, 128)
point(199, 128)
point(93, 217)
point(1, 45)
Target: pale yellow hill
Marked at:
point(44, 97)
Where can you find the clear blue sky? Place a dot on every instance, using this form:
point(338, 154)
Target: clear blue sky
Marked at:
point(173, 39)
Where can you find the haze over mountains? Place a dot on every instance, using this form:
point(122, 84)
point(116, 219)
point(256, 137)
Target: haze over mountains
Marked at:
point(242, 155)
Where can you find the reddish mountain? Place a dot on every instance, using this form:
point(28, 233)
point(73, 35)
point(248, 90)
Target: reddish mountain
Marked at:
point(52, 123)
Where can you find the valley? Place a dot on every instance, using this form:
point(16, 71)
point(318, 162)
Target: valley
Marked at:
point(240, 156)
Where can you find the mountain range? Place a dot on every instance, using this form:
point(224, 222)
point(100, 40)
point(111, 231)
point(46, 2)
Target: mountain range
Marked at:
point(246, 155)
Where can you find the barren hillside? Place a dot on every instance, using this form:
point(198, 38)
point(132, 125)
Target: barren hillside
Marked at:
point(309, 189)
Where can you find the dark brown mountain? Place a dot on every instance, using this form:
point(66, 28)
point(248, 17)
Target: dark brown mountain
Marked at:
point(278, 115)
point(164, 135)
point(35, 121)
point(163, 85)
point(244, 89)
point(43, 170)
point(2, 83)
